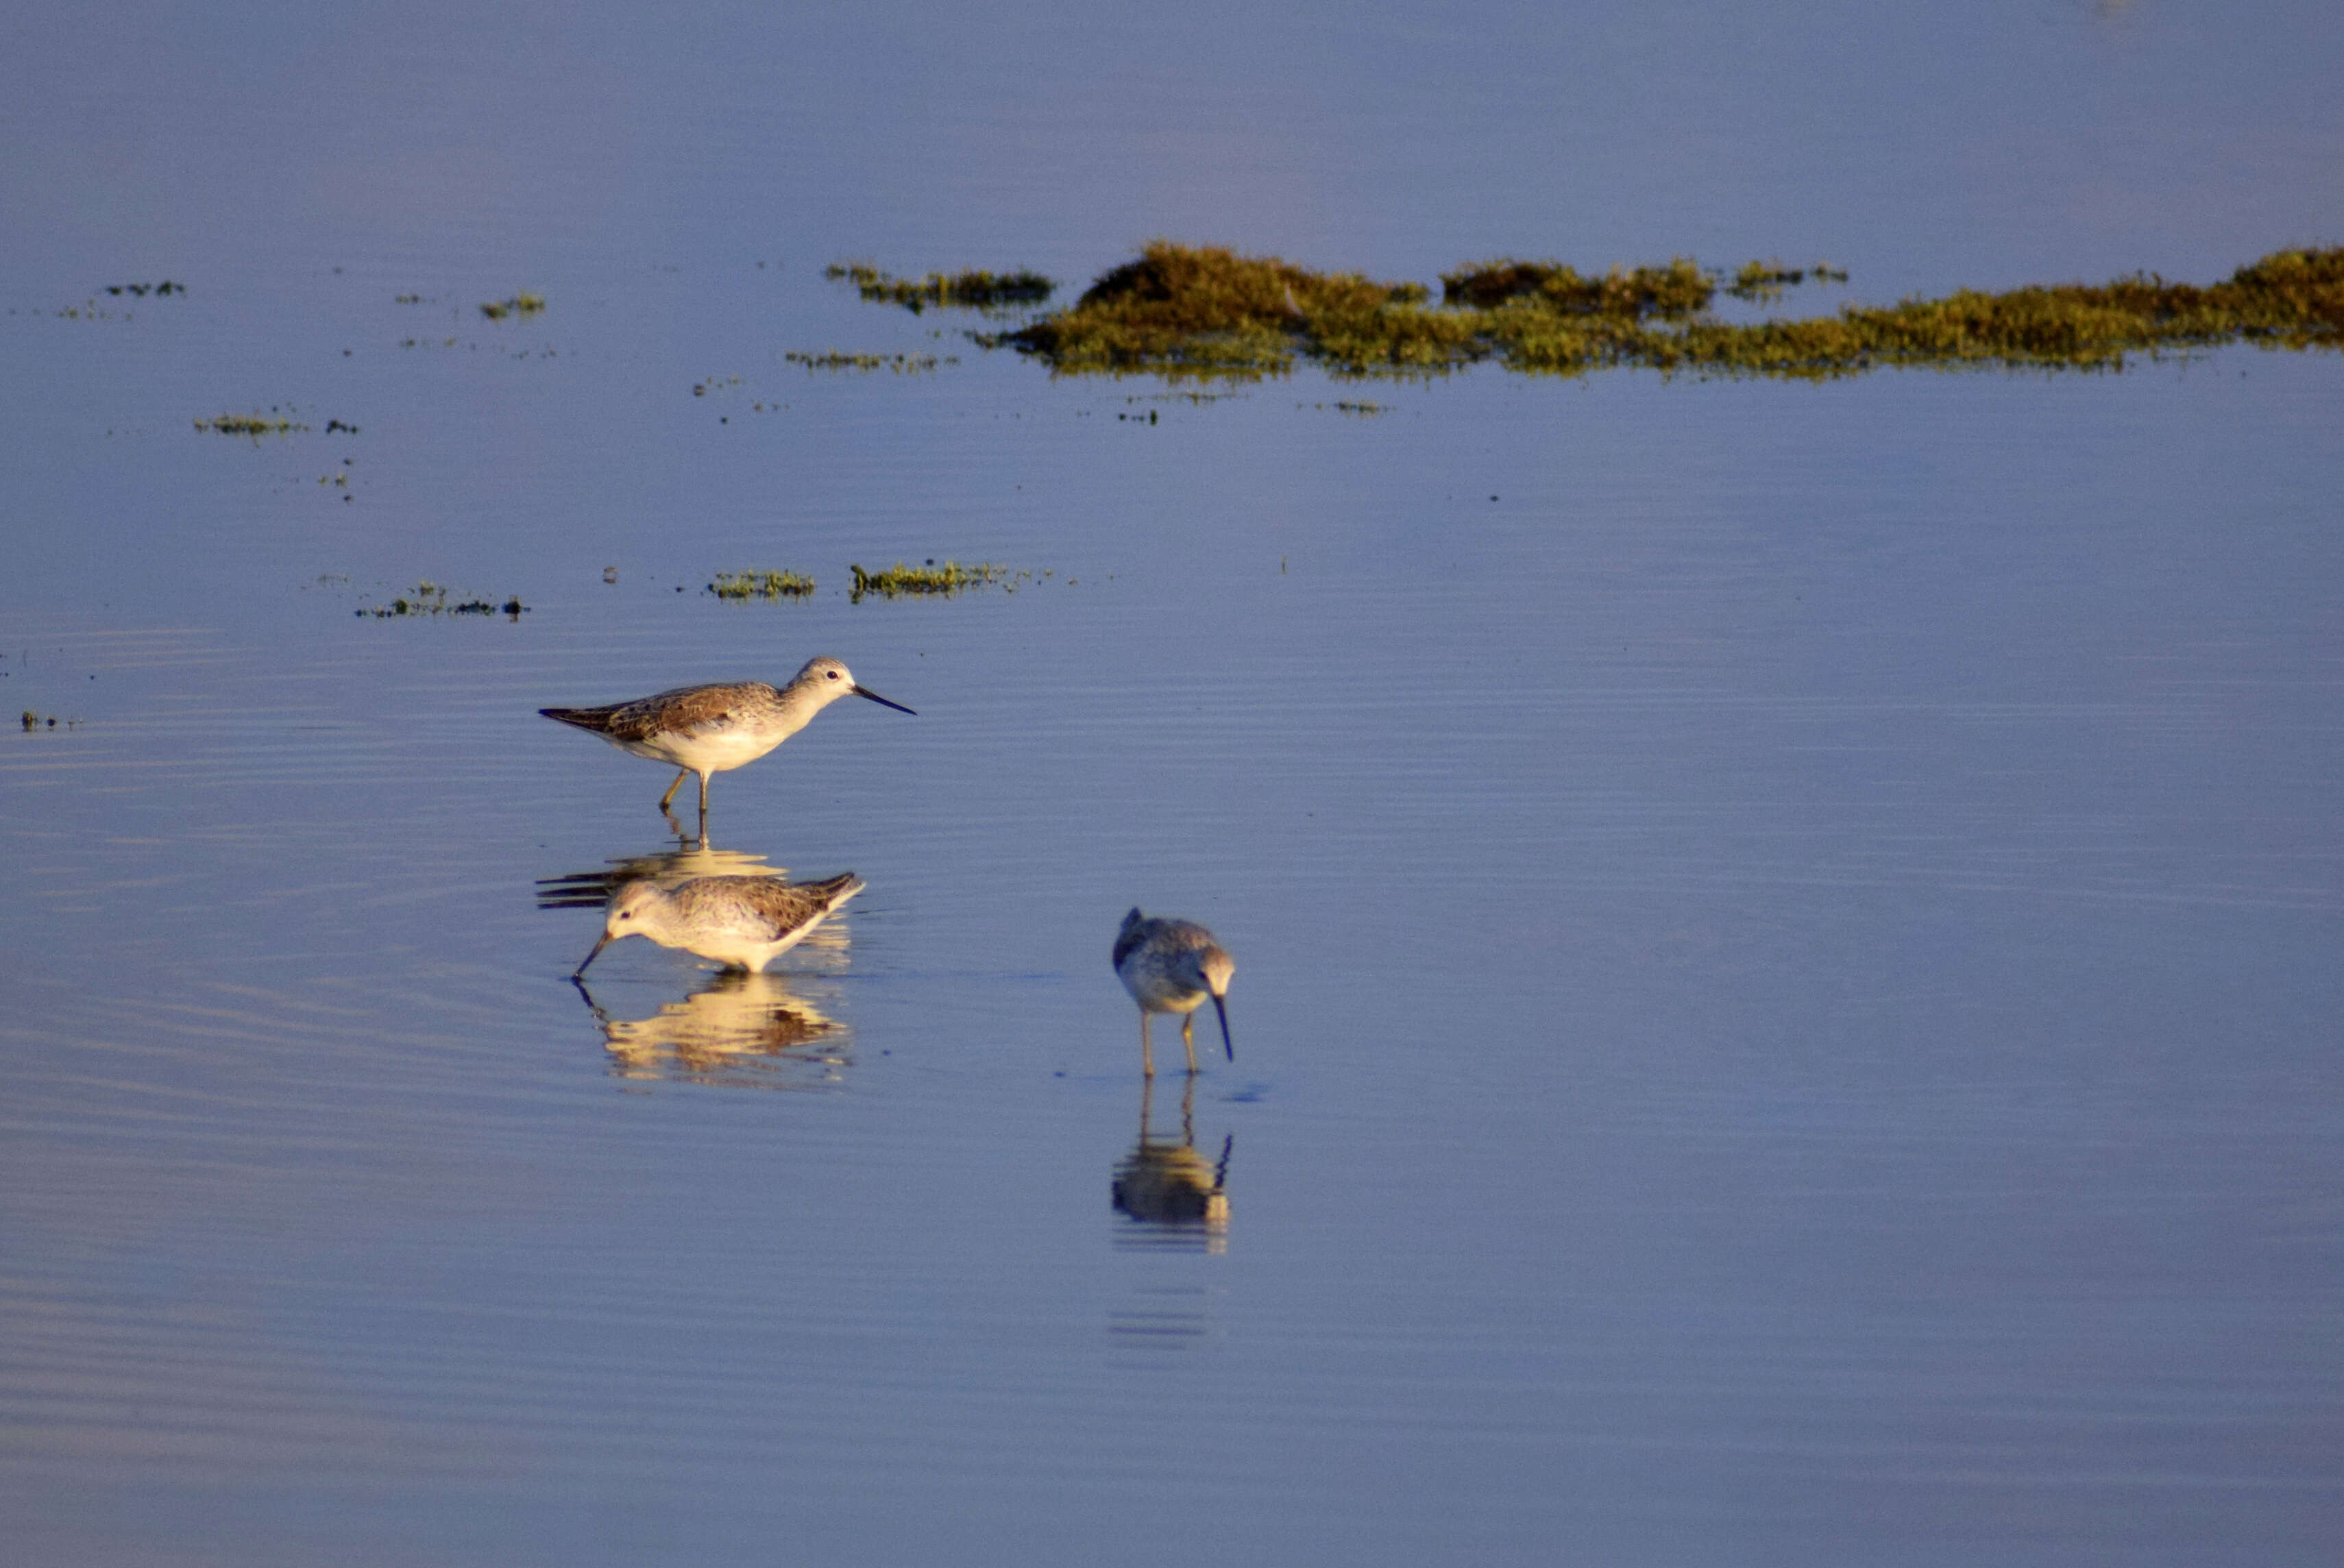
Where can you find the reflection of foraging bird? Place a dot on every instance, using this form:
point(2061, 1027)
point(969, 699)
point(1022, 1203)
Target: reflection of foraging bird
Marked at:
point(707, 730)
point(1172, 966)
point(749, 1030)
point(747, 921)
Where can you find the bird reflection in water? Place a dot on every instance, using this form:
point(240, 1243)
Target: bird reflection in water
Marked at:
point(741, 1031)
point(1175, 1194)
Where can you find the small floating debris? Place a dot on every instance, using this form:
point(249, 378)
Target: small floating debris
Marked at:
point(333, 425)
point(409, 299)
point(519, 305)
point(431, 598)
point(1355, 410)
point(759, 585)
point(901, 364)
point(714, 384)
point(962, 290)
point(903, 581)
point(140, 290)
point(33, 721)
point(255, 424)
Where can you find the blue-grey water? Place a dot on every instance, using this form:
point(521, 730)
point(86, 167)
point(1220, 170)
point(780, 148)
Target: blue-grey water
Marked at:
point(1788, 936)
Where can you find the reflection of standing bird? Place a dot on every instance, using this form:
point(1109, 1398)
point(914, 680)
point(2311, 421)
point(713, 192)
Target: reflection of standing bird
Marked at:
point(1164, 1183)
point(1172, 966)
point(747, 921)
point(708, 729)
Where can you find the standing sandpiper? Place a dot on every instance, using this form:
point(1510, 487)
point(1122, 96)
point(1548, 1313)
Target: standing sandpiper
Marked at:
point(1171, 966)
point(707, 730)
point(744, 921)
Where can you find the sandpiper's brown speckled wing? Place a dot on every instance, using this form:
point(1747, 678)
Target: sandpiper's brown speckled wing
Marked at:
point(684, 710)
point(787, 904)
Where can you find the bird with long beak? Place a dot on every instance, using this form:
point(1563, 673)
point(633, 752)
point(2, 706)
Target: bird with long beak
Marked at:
point(711, 729)
point(743, 922)
point(1172, 966)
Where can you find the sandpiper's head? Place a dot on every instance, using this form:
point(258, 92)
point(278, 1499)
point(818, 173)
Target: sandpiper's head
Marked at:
point(827, 680)
point(1213, 968)
point(634, 911)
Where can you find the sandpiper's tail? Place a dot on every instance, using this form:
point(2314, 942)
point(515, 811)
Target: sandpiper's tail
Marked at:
point(834, 891)
point(594, 721)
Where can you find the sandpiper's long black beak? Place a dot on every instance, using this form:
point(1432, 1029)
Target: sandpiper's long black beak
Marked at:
point(867, 692)
point(1222, 1009)
point(605, 942)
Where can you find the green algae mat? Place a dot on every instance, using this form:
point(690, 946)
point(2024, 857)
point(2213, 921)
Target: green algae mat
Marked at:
point(1202, 311)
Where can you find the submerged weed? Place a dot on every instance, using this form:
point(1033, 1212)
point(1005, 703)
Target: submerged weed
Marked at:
point(255, 424)
point(901, 580)
point(901, 364)
point(963, 290)
point(758, 586)
point(431, 598)
point(1196, 312)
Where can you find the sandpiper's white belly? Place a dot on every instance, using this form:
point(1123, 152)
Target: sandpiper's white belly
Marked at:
point(1159, 992)
point(712, 748)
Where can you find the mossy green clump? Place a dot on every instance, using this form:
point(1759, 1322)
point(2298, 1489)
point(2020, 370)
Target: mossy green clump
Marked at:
point(255, 424)
point(519, 305)
point(1182, 311)
point(1202, 310)
point(971, 290)
point(740, 585)
point(432, 599)
point(933, 580)
point(1671, 292)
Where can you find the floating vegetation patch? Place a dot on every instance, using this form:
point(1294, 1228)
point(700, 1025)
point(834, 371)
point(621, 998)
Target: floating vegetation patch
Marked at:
point(33, 721)
point(431, 598)
point(901, 364)
point(1187, 311)
point(758, 586)
point(1355, 410)
point(963, 290)
point(162, 291)
point(714, 384)
point(409, 299)
point(255, 424)
point(519, 305)
point(945, 579)
point(333, 425)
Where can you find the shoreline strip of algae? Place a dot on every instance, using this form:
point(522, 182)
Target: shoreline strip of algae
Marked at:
point(1182, 311)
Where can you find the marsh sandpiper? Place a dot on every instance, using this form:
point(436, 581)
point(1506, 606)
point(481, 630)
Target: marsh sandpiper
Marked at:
point(710, 729)
point(1172, 966)
point(744, 921)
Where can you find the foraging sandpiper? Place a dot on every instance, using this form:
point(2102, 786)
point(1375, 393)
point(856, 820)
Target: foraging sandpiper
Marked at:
point(1172, 966)
point(745, 921)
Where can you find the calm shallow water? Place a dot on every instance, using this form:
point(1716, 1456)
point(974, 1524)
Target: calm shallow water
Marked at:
point(1788, 936)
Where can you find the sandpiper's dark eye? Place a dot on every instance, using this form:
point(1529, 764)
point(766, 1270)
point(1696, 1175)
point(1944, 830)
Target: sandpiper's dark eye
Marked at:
point(832, 673)
point(626, 915)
